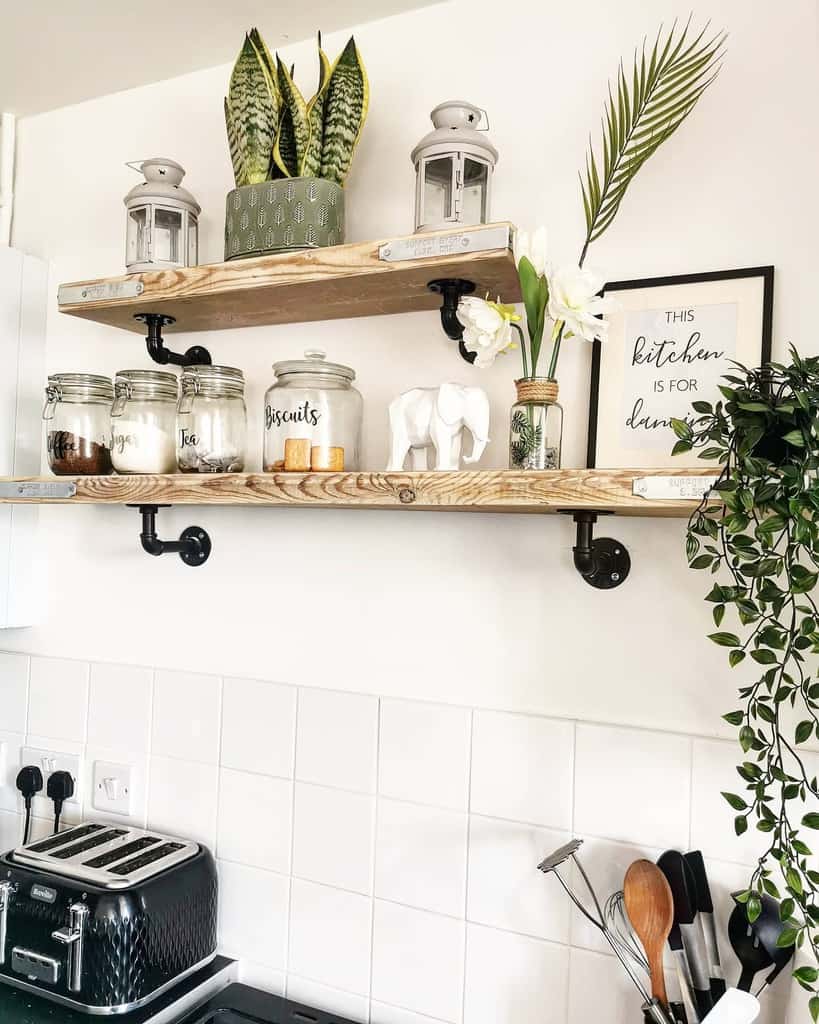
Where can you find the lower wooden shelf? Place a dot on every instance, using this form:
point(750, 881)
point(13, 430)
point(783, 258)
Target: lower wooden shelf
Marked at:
point(478, 491)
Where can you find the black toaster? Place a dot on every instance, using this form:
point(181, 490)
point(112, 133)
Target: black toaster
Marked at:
point(105, 919)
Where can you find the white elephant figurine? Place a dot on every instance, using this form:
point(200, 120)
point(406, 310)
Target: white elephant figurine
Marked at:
point(427, 418)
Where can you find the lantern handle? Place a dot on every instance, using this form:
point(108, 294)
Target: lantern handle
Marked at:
point(135, 165)
point(485, 117)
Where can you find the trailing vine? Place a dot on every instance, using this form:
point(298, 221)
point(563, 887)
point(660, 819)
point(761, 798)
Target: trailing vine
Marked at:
point(762, 541)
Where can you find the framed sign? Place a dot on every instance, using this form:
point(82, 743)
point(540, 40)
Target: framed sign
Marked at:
point(670, 340)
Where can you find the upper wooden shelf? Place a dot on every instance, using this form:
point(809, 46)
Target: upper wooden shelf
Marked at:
point(480, 491)
point(362, 279)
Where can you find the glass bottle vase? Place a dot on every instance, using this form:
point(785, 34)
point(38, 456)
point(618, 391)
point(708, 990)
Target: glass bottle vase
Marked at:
point(536, 425)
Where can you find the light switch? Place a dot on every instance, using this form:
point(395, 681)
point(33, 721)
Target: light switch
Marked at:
point(113, 787)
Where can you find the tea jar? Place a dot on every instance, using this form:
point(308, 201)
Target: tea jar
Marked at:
point(77, 414)
point(143, 421)
point(211, 420)
point(312, 417)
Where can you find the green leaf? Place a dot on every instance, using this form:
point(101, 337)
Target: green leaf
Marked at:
point(746, 737)
point(294, 130)
point(251, 116)
point(734, 717)
point(787, 938)
point(803, 731)
point(753, 908)
point(794, 880)
point(311, 162)
point(719, 614)
point(703, 562)
point(764, 657)
point(534, 302)
point(724, 639)
point(345, 111)
point(740, 824)
point(806, 974)
point(681, 429)
point(735, 657)
point(735, 801)
point(795, 438)
point(813, 1006)
point(811, 820)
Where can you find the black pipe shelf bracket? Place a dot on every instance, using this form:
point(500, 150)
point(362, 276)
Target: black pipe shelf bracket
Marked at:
point(195, 356)
point(603, 562)
point(193, 546)
point(451, 290)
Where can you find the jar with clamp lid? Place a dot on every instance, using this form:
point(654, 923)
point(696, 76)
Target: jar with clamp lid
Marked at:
point(312, 417)
point(143, 422)
point(211, 420)
point(77, 414)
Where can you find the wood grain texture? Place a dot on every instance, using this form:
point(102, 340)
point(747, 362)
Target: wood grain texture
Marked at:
point(650, 908)
point(318, 284)
point(479, 491)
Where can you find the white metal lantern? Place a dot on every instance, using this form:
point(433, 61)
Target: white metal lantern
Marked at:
point(453, 167)
point(162, 226)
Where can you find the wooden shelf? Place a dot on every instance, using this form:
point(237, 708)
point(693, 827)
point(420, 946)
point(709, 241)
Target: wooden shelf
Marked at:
point(479, 491)
point(318, 284)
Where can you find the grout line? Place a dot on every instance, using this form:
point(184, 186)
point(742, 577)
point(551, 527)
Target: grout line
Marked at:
point(220, 719)
point(470, 747)
point(292, 864)
point(374, 865)
point(691, 795)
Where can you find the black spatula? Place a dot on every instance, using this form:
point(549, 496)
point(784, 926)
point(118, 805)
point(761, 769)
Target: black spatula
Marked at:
point(683, 888)
point(705, 912)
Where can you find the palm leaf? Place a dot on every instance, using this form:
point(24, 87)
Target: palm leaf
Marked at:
point(294, 130)
point(252, 116)
point(643, 110)
point(311, 164)
point(345, 110)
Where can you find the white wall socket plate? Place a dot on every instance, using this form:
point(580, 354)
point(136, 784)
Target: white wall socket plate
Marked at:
point(49, 761)
point(113, 789)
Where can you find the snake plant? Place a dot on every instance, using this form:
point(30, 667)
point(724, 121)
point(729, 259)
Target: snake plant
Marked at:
point(274, 132)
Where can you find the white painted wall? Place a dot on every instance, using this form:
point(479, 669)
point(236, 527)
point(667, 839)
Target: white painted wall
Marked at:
point(476, 611)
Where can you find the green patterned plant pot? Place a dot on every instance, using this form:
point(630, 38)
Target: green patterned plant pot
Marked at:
point(277, 216)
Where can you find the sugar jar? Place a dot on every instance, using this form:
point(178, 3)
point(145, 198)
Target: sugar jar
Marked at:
point(143, 422)
point(211, 420)
point(77, 414)
point(312, 417)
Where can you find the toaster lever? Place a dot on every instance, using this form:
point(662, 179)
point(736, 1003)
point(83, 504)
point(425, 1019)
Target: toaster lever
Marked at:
point(73, 938)
point(5, 899)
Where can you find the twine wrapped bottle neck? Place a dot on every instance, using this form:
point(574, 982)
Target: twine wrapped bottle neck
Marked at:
point(536, 389)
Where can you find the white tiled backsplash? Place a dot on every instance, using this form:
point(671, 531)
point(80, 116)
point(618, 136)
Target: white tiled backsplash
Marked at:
point(377, 856)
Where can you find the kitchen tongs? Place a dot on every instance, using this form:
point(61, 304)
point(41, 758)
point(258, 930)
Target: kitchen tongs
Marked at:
point(549, 865)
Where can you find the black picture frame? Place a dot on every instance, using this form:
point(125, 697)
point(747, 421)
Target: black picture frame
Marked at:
point(766, 273)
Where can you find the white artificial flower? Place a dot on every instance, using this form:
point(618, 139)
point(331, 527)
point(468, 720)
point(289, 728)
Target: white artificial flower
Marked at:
point(574, 299)
point(487, 331)
point(534, 248)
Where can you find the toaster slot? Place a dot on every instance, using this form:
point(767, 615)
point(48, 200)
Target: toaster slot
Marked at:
point(127, 850)
point(88, 844)
point(69, 836)
point(147, 858)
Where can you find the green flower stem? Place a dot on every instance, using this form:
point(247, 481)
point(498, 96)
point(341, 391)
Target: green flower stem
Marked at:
point(522, 349)
point(558, 336)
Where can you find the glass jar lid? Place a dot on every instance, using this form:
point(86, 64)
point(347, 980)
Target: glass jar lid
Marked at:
point(314, 363)
point(79, 387)
point(146, 384)
point(213, 381)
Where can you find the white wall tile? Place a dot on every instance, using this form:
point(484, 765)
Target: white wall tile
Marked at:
point(254, 823)
point(522, 768)
point(512, 979)
point(421, 857)
point(259, 727)
point(505, 888)
point(58, 698)
point(424, 753)
point(383, 1013)
point(332, 1000)
point(337, 739)
point(600, 991)
point(182, 799)
point(330, 936)
point(186, 716)
point(418, 960)
point(14, 670)
point(712, 820)
point(253, 914)
point(10, 746)
point(119, 707)
point(632, 785)
point(11, 830)
point(264, 978)
point(334, 833)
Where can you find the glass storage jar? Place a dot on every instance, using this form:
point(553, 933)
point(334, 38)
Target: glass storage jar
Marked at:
point(211, 421)
point(143, 422)
point(77, 414)
point(312, 417)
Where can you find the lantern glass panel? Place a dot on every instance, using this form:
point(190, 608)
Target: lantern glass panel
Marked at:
point(476, 180)
point(193, 241)
point(138, 235)
point(438, 180)
point(167, 235)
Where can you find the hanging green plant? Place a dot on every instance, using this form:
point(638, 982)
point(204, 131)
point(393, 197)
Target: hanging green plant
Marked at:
point(761, 540)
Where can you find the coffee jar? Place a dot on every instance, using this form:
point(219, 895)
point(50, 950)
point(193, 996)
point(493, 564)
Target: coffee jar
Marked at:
point(143, 422)
point(77, 415)
point(211, 420)
point(312, 417)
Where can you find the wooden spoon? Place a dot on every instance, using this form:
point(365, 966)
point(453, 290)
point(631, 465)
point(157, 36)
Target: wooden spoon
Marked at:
point(650, 908)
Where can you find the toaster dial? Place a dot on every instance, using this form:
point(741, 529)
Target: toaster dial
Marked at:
point(73, 937)
point(35, 966)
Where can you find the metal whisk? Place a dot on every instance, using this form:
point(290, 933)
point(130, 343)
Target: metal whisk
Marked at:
point(614, 912)
point(550, 865)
